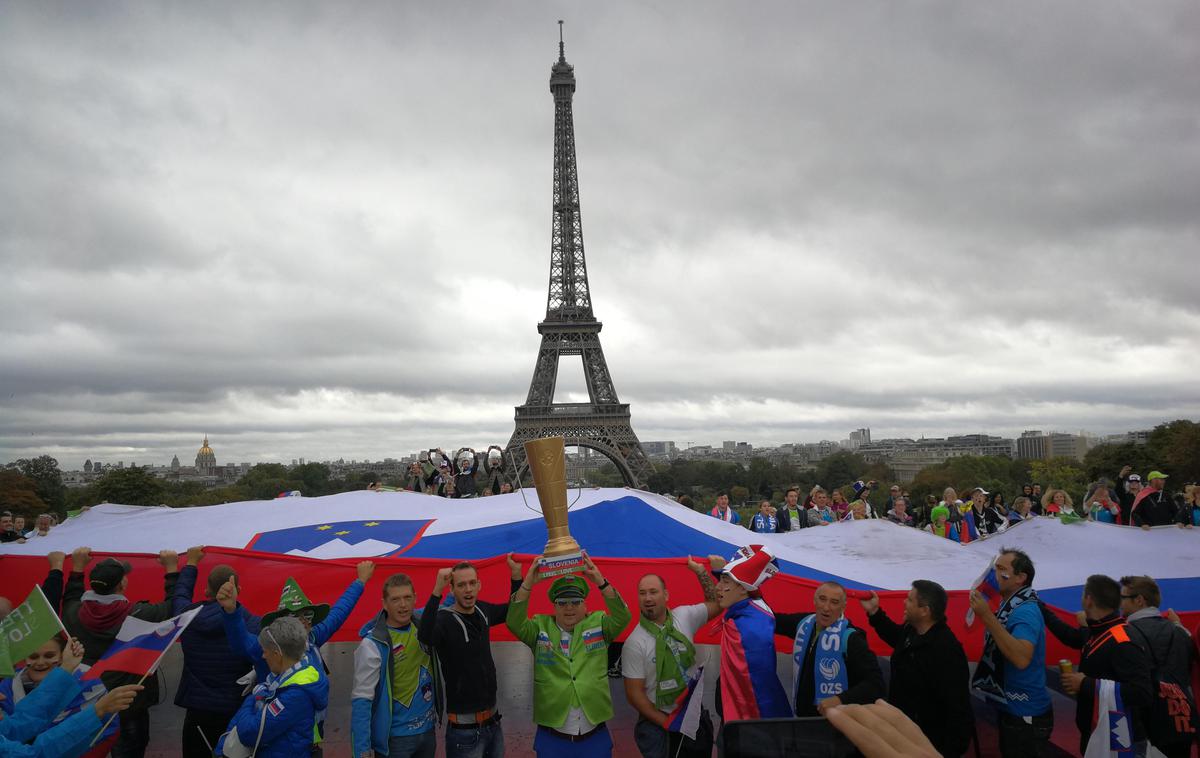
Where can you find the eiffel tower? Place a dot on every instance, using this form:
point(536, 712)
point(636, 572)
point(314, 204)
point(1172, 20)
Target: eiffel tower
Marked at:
point(570, 328)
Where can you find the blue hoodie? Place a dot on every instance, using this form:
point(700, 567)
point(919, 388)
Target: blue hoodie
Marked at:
point(279, 722)
point(211, 666)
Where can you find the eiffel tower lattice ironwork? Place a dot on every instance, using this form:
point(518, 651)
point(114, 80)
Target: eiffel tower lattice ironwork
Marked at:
point(570, 327)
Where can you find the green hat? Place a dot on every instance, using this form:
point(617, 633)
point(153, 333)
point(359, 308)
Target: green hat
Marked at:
point(1155, 475)
point(568, 588)
point(939, 510)
point(293, 600)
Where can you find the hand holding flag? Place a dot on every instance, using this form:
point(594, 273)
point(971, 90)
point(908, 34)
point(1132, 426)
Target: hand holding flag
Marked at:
point(988, 587)
point(30, 625)
point(140, 645)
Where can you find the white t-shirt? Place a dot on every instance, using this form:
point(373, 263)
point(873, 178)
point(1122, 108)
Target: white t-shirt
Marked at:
point(637, 657)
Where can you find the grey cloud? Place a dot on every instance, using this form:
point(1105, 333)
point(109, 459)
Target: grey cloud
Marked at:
point(318, 228)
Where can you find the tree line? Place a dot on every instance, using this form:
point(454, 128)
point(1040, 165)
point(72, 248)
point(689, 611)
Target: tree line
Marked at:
point(30, 486)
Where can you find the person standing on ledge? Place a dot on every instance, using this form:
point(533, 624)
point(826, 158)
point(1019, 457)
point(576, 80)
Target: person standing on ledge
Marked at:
point(571, 699)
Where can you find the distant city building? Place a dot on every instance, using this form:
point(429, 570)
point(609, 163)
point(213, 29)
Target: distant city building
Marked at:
point(1034, 445)
point(87, 466)
point(206, 460)
point(175, 463)
point(660, 449)
point(728, 445)
point(860, 437)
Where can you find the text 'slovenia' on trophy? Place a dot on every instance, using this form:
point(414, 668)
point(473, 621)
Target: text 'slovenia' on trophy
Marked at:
point(548, 464)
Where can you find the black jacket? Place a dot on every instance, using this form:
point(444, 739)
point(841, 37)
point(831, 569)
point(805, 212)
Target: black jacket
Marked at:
point(1125, 498)
point(930, 682)
point(211, 668)
point(783, 519)
point(464, 652)
point(862, 667)
point(1108, 653)
point(95, 621)
point(1155, 509)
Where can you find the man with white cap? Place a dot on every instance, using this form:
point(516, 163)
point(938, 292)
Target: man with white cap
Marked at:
point(749, 687)
point(1129, 485)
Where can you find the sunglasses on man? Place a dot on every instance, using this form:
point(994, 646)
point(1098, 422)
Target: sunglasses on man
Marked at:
point(565, 603)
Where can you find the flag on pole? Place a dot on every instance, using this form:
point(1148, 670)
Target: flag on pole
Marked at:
point(30, 625)
point(140, 645)
point(685, 718)
point(987, 585)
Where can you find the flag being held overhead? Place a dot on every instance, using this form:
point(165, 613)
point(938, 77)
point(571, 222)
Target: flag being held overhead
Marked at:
point(140, 645)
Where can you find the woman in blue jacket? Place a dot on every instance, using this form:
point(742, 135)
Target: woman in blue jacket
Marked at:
point(278, 717)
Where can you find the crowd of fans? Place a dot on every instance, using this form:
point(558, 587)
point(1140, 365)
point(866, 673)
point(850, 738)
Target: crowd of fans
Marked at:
point(259, 686)
point(13, 529)
point(978, 513)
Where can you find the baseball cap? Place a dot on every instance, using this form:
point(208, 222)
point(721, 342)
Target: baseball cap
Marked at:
point(1155, 475)
point(980, 489)
point(570, 587)
point(107, 574)
point(1134, 478)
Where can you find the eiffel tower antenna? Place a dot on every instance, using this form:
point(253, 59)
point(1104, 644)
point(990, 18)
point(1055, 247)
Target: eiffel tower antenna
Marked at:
point(570, 327)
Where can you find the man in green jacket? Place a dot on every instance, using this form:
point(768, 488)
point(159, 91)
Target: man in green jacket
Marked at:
point(571, 697)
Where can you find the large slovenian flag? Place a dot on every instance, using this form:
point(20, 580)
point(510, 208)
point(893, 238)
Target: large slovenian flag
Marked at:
point(685, 718)
point(140, 645)
point(989, 586)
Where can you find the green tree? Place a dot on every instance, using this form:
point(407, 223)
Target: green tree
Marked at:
point(1061, 473)
point(1176, 446)
point(1106, 461)
point(44, 471)
point(314, 478)
point(129, 486)
point(18, 493)
point(840, 469)
point(738, 495)
point(266, 480)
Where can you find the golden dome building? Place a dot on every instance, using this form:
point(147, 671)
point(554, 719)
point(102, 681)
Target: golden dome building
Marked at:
point(206, 460)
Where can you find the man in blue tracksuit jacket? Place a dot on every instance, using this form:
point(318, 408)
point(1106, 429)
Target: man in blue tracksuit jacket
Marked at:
point(321, 621)
point(396, 700)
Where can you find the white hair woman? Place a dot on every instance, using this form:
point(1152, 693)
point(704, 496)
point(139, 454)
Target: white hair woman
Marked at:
point(278, 717)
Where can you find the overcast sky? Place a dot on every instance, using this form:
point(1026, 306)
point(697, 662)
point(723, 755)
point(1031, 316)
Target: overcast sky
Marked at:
point(321, 230)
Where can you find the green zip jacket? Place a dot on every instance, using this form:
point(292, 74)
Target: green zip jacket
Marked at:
point(579, 680)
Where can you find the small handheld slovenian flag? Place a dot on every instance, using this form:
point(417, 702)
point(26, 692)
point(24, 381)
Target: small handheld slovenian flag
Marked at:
point(685, 718)
point(988, 586)
point(140, 645)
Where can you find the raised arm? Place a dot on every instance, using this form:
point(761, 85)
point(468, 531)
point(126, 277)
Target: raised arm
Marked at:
point(707, 585)
point(517, 620)
point(345, 604)
point(889, 631)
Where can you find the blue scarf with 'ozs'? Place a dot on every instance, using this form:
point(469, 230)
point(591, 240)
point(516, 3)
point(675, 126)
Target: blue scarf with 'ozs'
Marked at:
point(829, 668)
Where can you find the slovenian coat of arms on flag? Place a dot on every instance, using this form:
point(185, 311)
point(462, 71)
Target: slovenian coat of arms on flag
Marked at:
point(140, 645)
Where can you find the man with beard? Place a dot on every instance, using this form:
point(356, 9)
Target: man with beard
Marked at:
point(658, 661)
point(929, 668)
point(1152, 506)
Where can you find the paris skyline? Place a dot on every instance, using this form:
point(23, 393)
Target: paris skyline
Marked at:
point(324, 231)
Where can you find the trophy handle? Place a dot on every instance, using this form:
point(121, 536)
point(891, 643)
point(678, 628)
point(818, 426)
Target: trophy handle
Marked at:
point(521, 489)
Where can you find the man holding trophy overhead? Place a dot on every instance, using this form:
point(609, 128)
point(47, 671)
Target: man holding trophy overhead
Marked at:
point(571, 697)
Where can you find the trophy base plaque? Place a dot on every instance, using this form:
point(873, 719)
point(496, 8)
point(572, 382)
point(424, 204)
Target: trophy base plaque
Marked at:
point(561, 565)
